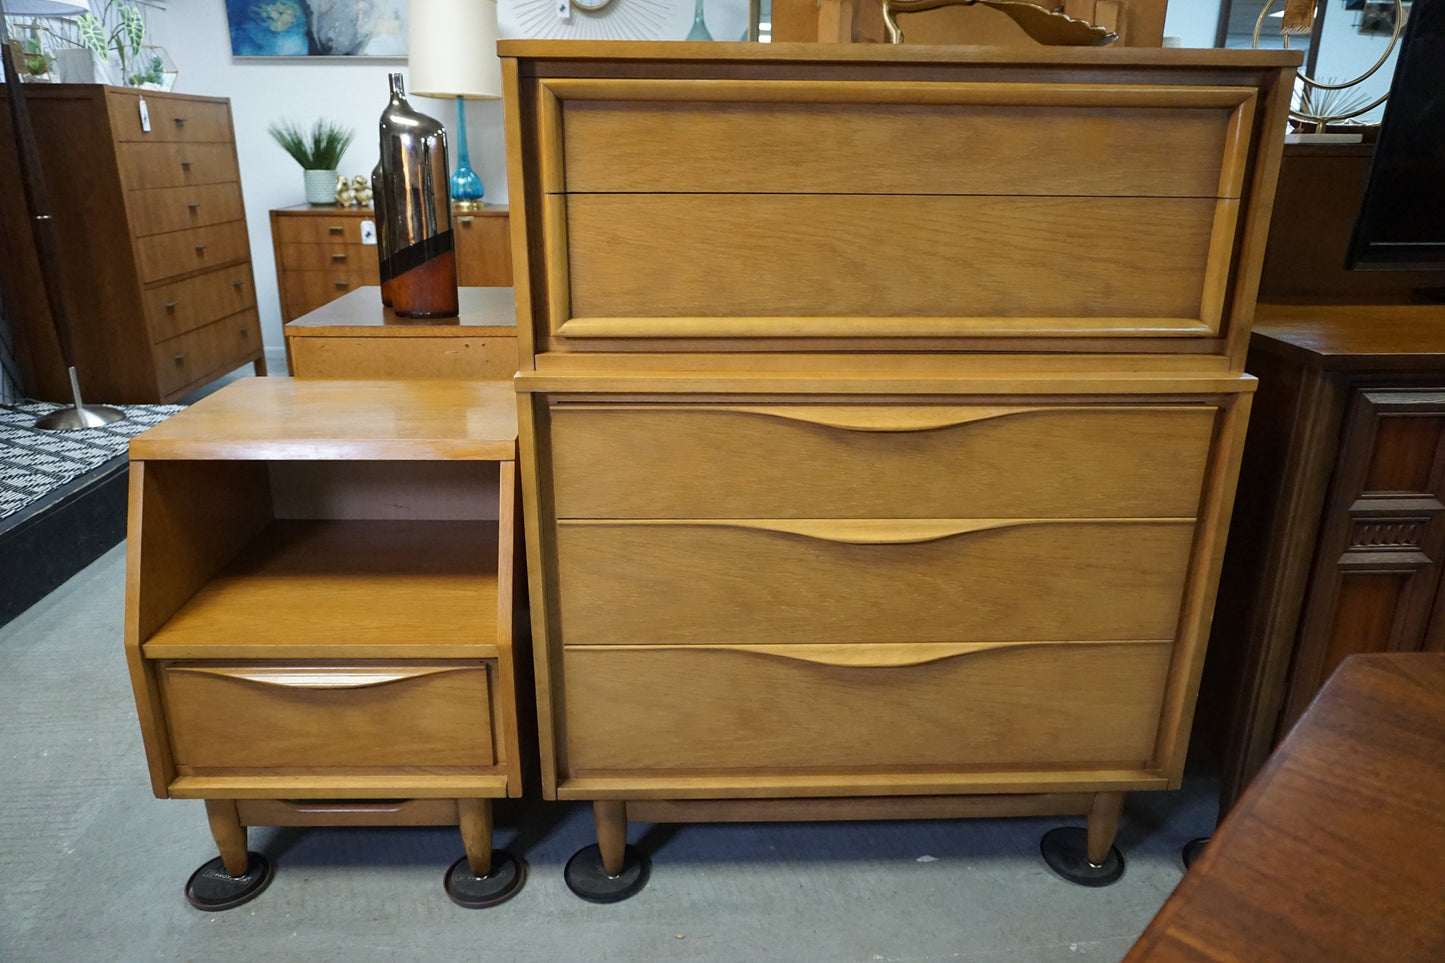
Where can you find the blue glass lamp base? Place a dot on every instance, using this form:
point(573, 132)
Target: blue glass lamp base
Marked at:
point(466, 186)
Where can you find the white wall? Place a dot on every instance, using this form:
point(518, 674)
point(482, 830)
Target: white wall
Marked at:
point(1345, 54)
point(195, 34)
point(1196, 22)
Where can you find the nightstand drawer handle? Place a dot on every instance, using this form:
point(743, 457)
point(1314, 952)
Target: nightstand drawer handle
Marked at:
point(465, 221)
point(236, 285)
point(316, 678)
point(335, 228)
point(180, 357)
point(180, 121)
point(338, 257)
point(200, 249)
point(194, 206)
point(343, 284)
point(877, 655)
point(242, 330)
point(186, 166)
point(171, 305)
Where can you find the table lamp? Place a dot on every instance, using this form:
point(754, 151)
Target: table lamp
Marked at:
point(452, 52)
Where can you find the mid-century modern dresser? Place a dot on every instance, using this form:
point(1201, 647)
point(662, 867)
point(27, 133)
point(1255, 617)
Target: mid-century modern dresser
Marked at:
point(155, 258)
point(881, 412)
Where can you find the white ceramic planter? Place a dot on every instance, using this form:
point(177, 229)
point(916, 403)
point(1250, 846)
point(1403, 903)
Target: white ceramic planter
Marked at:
point(320, 187)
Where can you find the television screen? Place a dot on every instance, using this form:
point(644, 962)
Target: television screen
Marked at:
point(1401, 224)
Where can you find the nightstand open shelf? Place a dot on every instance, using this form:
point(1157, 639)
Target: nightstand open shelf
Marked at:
point(321, 606)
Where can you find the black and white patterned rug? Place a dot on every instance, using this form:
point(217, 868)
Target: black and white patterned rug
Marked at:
point(35, 462)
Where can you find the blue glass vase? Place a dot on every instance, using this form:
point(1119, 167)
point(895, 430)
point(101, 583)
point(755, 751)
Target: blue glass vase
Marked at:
point(699, 25)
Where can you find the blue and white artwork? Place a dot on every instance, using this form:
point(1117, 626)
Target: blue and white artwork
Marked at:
point(317, 28)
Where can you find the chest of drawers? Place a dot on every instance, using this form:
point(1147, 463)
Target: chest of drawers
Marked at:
point(881, 413)
point(155, 255)
point(321, 254)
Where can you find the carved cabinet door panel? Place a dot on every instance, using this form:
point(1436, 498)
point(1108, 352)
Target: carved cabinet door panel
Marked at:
point(1377, 564)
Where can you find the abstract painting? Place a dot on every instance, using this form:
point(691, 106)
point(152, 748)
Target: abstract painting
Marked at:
point(317, 28)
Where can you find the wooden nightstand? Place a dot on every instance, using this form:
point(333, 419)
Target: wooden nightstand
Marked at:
point(355, 336)
point(320, 253)
point(320, 615)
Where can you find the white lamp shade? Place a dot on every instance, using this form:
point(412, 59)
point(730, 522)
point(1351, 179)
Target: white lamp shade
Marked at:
point(43, 8)
point(452, 50)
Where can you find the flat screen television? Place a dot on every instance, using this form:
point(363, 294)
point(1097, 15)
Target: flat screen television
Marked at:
point(1401, 224)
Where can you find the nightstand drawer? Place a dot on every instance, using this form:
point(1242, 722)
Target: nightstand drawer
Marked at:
point(878, 461)
point(305, 291)
point(877, 581)
point(237, 715)
point(163, 209)
point(1074, 705)
point(358, 259)
point(208, 351)
point(171, 118)
point(182, 306)
point(180, 252)
point(147, 165)
point(342, 227)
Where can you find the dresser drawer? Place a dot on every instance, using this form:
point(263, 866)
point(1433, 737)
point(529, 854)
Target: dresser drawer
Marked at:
point(305, 291)
point(234, 715)
point(182, 306)
point(1073, 705)
point(160, 164)
point(206, 352)
point(806, 581)
point(179, 252)
point(484, 249)
point(874, 461)
point(163, 209)
point(357, 260)
point(171, 118)
point(338, 228)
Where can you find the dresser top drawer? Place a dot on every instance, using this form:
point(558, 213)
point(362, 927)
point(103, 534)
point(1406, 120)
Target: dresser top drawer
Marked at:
point(339, 226)
point(167, 117)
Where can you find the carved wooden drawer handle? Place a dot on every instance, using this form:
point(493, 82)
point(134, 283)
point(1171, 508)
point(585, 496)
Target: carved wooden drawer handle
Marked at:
point(867, 655)
point(875, 531)
point(304, 677)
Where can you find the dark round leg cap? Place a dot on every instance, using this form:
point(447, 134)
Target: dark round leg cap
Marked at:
point(587, 877)
point(211, 888)
point(476, 892)
point(1192, 849)
point(1066, 850)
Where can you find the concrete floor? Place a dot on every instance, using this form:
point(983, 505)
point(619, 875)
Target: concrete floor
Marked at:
point(92, 865)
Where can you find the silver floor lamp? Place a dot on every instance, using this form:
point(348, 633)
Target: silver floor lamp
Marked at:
point(79, 415)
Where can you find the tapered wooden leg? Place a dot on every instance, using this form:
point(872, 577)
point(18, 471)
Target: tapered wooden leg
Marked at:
point(611, 818)
point(476, 825)
point(260, 366)
point(229, 833)
point(1103, 823)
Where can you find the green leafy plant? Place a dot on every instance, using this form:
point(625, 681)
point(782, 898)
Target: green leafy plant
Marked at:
point(113, 26)
point(319, 149)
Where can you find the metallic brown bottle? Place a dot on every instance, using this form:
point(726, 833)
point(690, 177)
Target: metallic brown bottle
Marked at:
point(417, 215)
point(382, 239)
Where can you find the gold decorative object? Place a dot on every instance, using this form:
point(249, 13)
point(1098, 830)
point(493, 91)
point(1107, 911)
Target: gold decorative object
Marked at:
point(1302, 110)
point(1051, 27)
point(351, 191)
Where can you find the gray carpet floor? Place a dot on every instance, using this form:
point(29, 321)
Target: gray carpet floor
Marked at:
point(92, 865)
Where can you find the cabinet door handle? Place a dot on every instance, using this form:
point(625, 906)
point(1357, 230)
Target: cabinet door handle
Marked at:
point(338, 257)
point(343, 284)
point(334, 228)
point(171, 305)
point(180, 357)
point(200, 249)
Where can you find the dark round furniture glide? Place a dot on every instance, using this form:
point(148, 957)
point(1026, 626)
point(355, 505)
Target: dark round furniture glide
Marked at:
point(1192, 849)
point(1066, 850)
point(587, 877)
point(211, 888)
point(505, 880)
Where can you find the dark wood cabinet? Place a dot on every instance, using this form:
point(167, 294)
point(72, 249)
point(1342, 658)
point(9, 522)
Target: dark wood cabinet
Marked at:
point(1339, 529)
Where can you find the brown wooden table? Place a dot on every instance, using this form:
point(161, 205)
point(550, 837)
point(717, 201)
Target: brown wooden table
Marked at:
point(1334, 853)
point(357, 337)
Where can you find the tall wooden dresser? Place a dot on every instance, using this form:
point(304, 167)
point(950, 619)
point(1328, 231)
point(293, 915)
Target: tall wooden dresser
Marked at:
point(157, 262)
point(882, 410)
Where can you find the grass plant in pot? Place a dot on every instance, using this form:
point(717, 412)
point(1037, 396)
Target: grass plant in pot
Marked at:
point(319, 153)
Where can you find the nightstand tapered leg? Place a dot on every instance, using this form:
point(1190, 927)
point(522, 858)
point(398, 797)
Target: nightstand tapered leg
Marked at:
point(611, 818)
point(229, 833)
point(1103, 823)
point(1088, 856)
point(476, 825)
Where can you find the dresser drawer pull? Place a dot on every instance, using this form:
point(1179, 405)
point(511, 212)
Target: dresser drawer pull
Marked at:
point(465, 221)
point(186, 166)
point(180, 121)
point(343, 677)
point(876, 531)
point(171, 305)
point(335, 228)
point(200, 249)
point(237, 284)
point(338, 257)
point(866, 655)
point(243, 330)
point(194, 206)
point(343, 284)
point(179, 358)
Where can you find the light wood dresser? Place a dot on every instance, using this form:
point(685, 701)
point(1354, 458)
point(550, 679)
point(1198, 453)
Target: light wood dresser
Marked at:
point(156, 258)
point(321, 254)
point(320, 605)
point(881, 411)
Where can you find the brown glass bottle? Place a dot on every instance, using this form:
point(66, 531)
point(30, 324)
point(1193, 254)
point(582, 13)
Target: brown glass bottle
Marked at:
point(417, 214)
point(382, 240)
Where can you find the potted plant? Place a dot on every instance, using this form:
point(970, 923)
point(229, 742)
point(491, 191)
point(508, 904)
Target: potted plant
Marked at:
point(319, 153)
point(113, 28)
